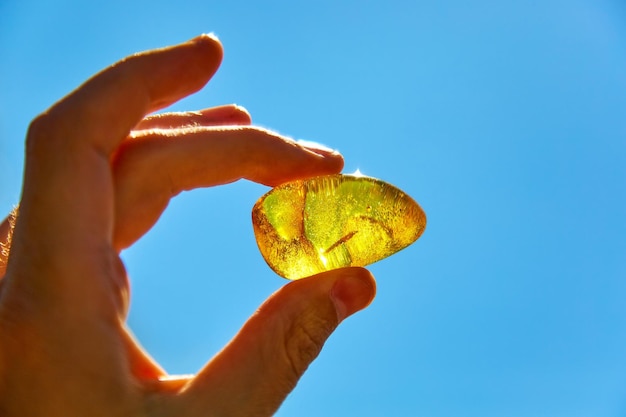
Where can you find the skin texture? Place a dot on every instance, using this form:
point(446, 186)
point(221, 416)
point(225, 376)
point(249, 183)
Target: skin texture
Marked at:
point(98, 174)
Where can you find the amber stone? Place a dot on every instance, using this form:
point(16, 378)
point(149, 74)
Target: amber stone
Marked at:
point(309, 226)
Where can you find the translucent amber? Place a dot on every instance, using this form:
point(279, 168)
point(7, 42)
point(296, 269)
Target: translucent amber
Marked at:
point(309, 226)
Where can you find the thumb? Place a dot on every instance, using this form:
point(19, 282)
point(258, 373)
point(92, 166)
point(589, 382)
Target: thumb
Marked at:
point(262, 364)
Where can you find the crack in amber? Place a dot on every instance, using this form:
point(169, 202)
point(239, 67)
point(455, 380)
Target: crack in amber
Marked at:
point(342, 240)
point(309, 226)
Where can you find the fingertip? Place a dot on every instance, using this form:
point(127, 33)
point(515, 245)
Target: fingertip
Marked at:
point(272, 159)
point(354, 290)
point(332, 157)
point(211, 42)
point(242, 113)
point(175, 72)
point(336, 159)
point(212, 51)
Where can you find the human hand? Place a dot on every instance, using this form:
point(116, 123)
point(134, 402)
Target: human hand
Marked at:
point(98, 174)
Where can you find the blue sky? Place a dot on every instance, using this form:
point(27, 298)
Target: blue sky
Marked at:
point(505, 120)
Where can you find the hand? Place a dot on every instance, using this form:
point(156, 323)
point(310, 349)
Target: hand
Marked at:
point(98, 174)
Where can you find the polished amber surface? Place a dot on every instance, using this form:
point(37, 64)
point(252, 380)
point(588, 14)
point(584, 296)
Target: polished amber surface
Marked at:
point(318, 224)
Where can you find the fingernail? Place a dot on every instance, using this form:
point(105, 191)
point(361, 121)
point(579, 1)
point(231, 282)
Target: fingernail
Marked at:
point(204, 36)
point(318, 148)
point(242, 109)
point(175, 377)
point(352, 292)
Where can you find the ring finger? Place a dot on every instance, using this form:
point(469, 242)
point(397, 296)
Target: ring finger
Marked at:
point(230, 114)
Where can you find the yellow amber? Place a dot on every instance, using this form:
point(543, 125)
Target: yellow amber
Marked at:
point(309, 226)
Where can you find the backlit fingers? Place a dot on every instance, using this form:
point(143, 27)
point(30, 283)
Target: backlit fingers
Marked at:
point(216, 116)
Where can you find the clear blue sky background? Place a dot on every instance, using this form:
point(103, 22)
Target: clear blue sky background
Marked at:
point(505, 120)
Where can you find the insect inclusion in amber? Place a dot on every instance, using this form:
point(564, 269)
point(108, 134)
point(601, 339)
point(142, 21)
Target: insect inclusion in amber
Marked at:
point(309, 226)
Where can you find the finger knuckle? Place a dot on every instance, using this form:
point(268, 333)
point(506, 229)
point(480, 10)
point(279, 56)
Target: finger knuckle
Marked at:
point(305, 341)
point(41, 133)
